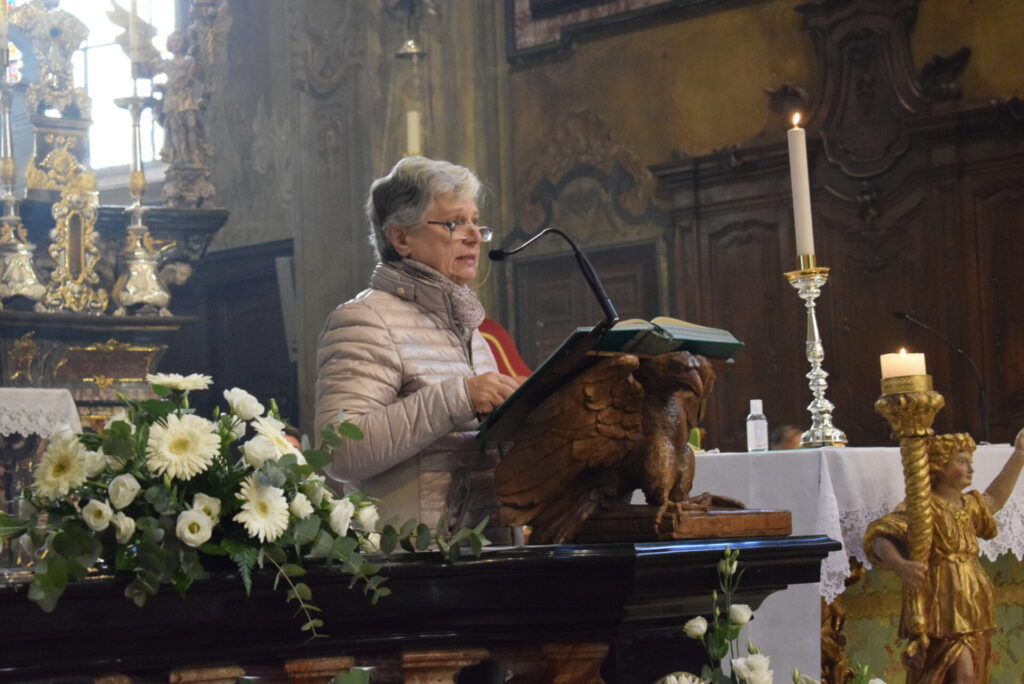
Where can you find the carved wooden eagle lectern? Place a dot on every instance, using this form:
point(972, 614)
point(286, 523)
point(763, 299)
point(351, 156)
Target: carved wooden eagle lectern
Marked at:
point(622, 424)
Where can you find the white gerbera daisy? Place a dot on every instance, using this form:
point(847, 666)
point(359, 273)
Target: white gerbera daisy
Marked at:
point(62, 467)
point(273, 430)
point(182, 447)
point(183, 383)
point(265, 511)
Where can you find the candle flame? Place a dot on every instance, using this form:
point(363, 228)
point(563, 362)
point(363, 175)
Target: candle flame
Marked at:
point(903, 351)
point(796, 119)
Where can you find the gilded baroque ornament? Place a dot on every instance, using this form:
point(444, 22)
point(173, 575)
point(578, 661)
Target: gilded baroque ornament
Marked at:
point(55, 36)
point(75, 251)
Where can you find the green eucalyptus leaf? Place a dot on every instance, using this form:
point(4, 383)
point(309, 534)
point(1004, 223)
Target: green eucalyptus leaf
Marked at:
point(322, 546)
point(329, 437)
point(293, 570)
point(423, 537)
point(312, 624)
point(300, 591)
point(350, 431)
point(161, 390)
point(388, 539)
point(317, 458)
point(306, 530)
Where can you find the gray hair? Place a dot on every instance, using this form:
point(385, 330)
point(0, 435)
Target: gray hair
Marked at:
point(405, 195)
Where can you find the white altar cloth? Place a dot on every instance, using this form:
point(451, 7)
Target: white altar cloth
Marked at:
point(31, 411)
point(835, 492)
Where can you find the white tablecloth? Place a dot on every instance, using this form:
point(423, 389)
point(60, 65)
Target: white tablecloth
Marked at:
point(30, 411)
point(835, 492)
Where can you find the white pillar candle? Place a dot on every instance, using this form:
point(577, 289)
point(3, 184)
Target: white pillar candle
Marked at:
point(4, 39)
point(902, 364)
point(801, 184)
point(412, 133)
point(133, 32)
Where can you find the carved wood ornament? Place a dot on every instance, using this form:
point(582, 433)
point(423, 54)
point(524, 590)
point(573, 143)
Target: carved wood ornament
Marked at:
point(620, 425)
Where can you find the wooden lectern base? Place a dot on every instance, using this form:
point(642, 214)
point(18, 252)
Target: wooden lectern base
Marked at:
point(637, 524)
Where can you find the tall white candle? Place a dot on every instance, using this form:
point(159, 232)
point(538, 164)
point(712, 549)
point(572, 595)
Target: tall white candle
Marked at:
point(801, 183)
point(3, 25)
point(133, 32)
point(902, 364)
point(413, 140)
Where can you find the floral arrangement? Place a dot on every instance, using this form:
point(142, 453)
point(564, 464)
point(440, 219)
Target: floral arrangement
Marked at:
point(720, 638)
point(160, 492)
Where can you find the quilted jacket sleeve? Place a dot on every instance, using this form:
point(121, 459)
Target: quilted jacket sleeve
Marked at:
point(360, 371)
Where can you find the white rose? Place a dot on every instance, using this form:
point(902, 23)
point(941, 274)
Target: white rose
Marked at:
point(681, 678)
point(753, 669)
point(210, 505)
point(95, 462)
point(122, 490)
point(238, 429)
point(876, 680)
point(259, 450)
point(300, 506)
point(313, 488)
point(367, 517)
point(124, 526)
point(696, 628)
point(194, 527)
point(28, 547)
point(740, 613)
point(243, 404)
point(341, 516)
point(371, 543)
point(97, 514)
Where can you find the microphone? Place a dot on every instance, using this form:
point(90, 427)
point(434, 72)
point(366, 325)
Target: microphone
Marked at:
point(611, 317)
point(982, 393)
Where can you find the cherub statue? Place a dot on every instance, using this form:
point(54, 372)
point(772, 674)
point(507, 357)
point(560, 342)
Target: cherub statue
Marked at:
point(959, 603)
point(620, 425)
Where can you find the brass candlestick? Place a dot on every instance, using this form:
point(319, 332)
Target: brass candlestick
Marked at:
point(808, 281)
point(18, 276)
point(138, 284)
point(909, 404)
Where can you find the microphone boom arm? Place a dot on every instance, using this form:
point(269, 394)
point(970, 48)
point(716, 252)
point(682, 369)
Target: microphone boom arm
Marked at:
point(611, 316)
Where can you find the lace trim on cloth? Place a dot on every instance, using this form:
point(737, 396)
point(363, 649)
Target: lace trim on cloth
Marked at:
point(847, 517)
point(36, 411)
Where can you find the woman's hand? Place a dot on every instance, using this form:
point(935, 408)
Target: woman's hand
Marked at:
point(490, 389)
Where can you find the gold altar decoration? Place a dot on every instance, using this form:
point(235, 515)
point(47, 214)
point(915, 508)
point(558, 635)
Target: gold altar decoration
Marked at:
point(910, 404)
point(18, 276)
point(61, 142)
point(75, 251)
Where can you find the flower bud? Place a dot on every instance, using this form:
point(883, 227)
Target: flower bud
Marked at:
point(696, 628)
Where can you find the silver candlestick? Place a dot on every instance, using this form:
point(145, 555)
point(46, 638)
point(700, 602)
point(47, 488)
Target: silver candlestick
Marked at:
point(808, 281)
point(138, 284)
point(18, 276)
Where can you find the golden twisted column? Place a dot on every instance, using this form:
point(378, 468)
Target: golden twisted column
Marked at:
point(909, 404)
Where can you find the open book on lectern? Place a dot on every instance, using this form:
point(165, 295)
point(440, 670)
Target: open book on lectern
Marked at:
point(585, 346)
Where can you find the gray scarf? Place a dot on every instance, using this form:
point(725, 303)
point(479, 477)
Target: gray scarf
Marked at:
point(467, 310)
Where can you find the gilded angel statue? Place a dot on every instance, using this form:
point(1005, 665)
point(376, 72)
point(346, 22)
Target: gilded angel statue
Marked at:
point(622, 424)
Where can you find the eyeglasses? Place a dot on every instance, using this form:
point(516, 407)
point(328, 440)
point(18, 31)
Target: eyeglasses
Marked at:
point(464, 231)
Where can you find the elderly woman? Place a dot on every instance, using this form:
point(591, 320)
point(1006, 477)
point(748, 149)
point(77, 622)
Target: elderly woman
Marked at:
point(404, 359)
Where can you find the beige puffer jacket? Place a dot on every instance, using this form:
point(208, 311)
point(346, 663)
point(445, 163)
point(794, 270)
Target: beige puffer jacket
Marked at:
point(393, 360)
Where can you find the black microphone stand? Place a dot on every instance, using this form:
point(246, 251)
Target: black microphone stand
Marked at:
point(982, 392)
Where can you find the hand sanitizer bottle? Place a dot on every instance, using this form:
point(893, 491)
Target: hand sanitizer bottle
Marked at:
point(757, 428)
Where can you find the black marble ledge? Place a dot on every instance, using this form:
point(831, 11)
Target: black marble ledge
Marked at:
point(191, 229)
point(611, 593)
